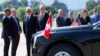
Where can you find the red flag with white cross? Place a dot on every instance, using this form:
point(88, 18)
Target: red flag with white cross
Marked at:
point(47, 30)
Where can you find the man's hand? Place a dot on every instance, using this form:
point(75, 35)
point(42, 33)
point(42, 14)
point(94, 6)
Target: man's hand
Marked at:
point(19, 32)
point(10, 38)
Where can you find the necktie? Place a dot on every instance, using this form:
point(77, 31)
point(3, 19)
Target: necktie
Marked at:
point(15, 19)
point(42, 16)
point(28, 18)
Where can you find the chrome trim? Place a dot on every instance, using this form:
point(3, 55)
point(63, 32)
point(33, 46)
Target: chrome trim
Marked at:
point(62, 53)
point(35, 39)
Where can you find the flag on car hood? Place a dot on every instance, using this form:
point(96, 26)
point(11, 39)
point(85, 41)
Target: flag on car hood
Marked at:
point(47, 30)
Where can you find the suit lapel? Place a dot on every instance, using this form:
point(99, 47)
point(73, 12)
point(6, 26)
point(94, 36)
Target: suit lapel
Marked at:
point(41, 17)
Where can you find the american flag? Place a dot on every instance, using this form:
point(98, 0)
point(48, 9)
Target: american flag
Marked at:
point(76, 21)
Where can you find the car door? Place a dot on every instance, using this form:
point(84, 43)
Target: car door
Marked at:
point(96, 40)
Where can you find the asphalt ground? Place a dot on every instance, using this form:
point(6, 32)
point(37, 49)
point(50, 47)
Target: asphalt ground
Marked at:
point(21, 51)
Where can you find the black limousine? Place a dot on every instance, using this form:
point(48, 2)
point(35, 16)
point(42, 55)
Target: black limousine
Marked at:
point(69, 41)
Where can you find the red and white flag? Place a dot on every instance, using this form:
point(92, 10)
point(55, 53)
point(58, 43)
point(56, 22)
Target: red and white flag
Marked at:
point(47, 30)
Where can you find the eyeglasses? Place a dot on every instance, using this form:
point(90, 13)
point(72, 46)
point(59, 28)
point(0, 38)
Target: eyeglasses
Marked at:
point(28, 11)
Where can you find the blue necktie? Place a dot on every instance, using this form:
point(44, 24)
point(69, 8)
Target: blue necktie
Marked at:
point(28, 18)
point(15, 19)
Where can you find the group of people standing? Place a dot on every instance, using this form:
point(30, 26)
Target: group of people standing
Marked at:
point(82, 18)
point(33, 23)
point(11, 31)
point(12, 28)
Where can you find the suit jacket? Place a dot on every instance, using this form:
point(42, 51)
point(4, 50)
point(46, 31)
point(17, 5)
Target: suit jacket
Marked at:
point(42, 20)
point(68, 21)
point(60, 21)
point(30, 26)
point(85, 21)
point(9, 27)
point(94, 18)
point(18, 24)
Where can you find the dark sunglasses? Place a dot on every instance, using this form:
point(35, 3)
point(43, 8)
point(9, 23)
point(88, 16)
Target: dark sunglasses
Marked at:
point(28, 11)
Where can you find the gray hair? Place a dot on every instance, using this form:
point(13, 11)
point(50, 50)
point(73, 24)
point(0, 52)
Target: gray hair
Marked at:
point(13, 9)
point(60, 10)
point(41, 6)
point(28, 8)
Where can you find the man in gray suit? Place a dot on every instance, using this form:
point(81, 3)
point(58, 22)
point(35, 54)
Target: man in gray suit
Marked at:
point(42, 17)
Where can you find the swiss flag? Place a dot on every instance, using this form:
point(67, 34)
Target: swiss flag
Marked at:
point(48, 26)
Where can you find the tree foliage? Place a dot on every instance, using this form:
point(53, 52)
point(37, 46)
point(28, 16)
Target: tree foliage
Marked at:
point(6, 4)
point(51, 9)
point(22, 4)
point(21, 12)
point(1, 15)
point(9, 4)
point(91, 4)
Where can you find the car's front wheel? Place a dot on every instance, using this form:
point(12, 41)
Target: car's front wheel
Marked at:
point(63, 50)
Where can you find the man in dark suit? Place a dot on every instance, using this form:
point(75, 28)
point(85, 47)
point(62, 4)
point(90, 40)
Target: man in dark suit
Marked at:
point(70, 19)
point(30, 26)
point(43, 17)
point(10, 33)
point(15, 40)
point(60, 21)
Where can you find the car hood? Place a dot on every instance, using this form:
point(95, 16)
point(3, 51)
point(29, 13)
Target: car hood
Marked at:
point(69, 28)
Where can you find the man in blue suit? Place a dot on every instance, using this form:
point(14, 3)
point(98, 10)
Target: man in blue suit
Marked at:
point(70, 19)
point(95, 17)
point(10, 33)
point(60, 21)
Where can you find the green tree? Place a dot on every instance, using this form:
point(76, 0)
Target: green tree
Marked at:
point(51, 9)
point(6, 4)
point(1, 15)
point(91, 4)
point(98, 7)
point(35, 6)
point(24, 3)
point(91, 11)
point(9, 4)
point(21, 12)
point(98, 2)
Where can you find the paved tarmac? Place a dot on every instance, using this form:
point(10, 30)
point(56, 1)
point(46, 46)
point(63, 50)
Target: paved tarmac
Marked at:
point(21, 51)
